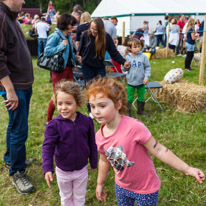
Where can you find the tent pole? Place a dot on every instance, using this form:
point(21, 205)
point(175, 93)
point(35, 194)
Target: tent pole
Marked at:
point(123, 32)
point(202, 63)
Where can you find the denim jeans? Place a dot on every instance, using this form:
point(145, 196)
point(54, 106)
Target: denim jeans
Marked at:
point(41, 45)
point(159, 38)
point(173, 47)
point(17, 132)
point(190, 47)
point(89, 73)
point(153, 50)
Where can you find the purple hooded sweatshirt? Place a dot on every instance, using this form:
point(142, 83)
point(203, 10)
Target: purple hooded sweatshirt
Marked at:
point(72, 143)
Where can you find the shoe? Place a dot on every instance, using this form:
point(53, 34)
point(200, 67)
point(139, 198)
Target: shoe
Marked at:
point(129, 109)
point(7, 165)
point(90, 114)
point(189, 69)
point(140, 109)
point(22, 183)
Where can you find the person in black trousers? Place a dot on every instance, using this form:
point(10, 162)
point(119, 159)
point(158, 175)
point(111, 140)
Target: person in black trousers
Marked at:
point(91, 52)
point(190, 43)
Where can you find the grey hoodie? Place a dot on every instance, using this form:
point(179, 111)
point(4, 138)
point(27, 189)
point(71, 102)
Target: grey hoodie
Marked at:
point(139, 70)
point(152, 42)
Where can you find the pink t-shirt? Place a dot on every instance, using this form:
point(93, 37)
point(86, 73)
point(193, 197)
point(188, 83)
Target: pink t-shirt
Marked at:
point(131, 134)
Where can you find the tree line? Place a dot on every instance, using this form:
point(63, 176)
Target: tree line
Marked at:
point(62, 6)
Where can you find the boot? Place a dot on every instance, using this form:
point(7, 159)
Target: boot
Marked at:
point(129, 109)
point(140, 109)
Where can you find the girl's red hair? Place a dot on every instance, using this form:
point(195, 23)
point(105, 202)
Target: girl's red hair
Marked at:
point(109, 88)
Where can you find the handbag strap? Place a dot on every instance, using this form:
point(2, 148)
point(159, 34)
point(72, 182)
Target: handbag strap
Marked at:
point(62, 40)
point(59, 35)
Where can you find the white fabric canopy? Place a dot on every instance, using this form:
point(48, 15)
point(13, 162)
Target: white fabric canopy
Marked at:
point(153, 7)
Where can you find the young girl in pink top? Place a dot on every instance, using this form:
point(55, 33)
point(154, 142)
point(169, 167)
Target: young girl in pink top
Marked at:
point(124, 143)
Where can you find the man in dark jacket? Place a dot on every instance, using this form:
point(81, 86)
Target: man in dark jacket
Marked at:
point(16, 78)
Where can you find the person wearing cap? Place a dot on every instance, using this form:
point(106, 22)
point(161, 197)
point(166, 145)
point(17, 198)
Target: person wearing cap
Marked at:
point(150, 47)
point(41, 29)
point(77, 8)
point(77, 12)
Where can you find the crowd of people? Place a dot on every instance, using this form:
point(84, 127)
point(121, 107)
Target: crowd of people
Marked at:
point(181, 35)
point(70, 137)
point(174, 30)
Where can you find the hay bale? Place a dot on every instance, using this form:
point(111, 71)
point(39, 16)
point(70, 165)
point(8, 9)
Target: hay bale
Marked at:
point(161, 53)
point(185, 96)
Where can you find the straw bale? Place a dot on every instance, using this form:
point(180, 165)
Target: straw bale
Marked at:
point(185, 96)
point(161, 53)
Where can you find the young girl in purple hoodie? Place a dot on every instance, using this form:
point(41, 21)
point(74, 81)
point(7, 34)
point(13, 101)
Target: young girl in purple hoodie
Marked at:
point(70, 138)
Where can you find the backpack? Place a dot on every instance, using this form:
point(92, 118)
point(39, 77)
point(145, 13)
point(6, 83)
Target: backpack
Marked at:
point(32, 33)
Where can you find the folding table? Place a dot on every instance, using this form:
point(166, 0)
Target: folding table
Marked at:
point(151, 85)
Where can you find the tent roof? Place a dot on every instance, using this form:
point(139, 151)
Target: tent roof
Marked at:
point(108, 8)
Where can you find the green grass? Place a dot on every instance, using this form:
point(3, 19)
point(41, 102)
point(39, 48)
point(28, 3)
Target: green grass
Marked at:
point(25, 28)
point(184, 134)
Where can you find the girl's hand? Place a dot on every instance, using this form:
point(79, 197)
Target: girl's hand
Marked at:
point(100, 194)
point(49, 178)
point(79, 58)
point(115, 170)
point(65, 41)
point(196, 173)
point(145, 81)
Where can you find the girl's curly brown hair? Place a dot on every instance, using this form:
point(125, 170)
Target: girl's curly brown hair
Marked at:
point(71, 88)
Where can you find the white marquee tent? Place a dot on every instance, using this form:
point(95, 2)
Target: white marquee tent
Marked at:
point(134, 12)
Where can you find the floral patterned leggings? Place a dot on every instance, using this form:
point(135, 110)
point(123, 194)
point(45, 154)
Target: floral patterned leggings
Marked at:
point(127, 198)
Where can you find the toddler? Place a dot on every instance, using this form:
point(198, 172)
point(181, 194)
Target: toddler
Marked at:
point(137, 76)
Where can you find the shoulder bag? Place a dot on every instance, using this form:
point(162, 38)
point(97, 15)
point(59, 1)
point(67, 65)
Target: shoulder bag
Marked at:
point(53, 63)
